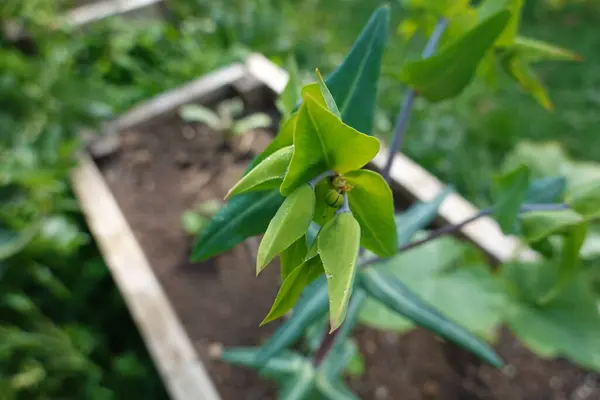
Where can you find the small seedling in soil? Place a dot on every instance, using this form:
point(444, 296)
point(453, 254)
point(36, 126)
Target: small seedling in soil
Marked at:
point(195, 219)
point(237, 131)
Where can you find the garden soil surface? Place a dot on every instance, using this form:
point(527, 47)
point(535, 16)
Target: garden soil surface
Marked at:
point(169, 166)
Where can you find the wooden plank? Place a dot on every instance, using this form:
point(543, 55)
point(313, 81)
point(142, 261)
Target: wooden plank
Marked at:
point(420, 185)
point(182, 371)
point(103, 9)
point(203, 88)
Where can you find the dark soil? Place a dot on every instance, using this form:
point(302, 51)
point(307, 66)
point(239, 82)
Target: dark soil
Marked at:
point(169, 166)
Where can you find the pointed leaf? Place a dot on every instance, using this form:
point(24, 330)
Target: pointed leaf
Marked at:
point(292, 287)
point(418, 217)
point(536, 50)
point(287, 363)
point(245, 215)
point(284, 138)
point(293, 256)
point(353, 84)
point(546, 190)
point(322, 142)
point(334, 390)
point(372, 204)
point(198, 113)
point(518, 68)
point(311, 306)
point(339, 242)
point(288, 225)
point(390, 291)
point(451, 69)
point(266, 175)
point(329, 101)
point(290, 96)
point(511, 192)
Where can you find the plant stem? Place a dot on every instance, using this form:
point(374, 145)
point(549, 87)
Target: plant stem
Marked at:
point(409, 100)
point(449, 229)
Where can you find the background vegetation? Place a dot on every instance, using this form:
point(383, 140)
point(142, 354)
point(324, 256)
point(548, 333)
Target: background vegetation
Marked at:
point(54, 84)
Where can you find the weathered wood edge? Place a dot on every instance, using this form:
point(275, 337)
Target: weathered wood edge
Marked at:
point(89, 13)
point(182, 371)
point(420, 185)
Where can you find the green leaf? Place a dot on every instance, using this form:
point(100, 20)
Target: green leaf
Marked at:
point(293, 256)
point(322, 142)
point(541, 224)
point(198, 113)
point(13, 242)
point(334, 389)
point(192, 222)
point(311, 306)
point(511, 193)
point(354, 83)
point(546, 190)
point(489, 7)
point(338, 243)
point(286, 364)
point(418, 216)
point(292, 286)
point(517, 67)
point(290, 96)
point(372, 204)
point(392, 292)
point(243, 216)
point(288, 225)
point(59, 236)
point(567, 326)
point(266, 175)
point(585, 199)
point(301, 386)
point(536, 50)
point(251, 122)
point(284, 138)
point(329, 101)
point(449, 71)
point(450, 276)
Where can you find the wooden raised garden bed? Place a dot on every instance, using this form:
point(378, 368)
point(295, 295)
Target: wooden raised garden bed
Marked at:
point(136, 181)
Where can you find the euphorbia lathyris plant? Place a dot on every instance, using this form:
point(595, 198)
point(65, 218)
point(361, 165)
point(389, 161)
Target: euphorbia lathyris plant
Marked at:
point(332, 222)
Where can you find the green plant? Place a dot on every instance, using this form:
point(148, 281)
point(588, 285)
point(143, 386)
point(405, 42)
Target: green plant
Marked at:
point(195, 219)
point(342, 249)
point(225, 119)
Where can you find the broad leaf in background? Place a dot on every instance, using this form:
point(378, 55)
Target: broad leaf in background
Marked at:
point(323, 142)
point(451, 69)
point(395, 295)
point(357, 105)
point(288, 225)
point(546, 190)
point(338, 243)
point(266, 175)
point(541, 224)
point(451, 277)
point(12, 242)
point(354, 84)
point(372, 204)
point(311, 306)
point(568, 325)
point(204, 115)
point(292, 287)
point(243, 216)
point(511, 191)
point(585, 199)
point(489, 7)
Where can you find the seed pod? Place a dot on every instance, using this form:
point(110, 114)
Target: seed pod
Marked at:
point(334, 199)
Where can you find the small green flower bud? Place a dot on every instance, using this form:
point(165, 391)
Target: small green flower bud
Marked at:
point(334, 199)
